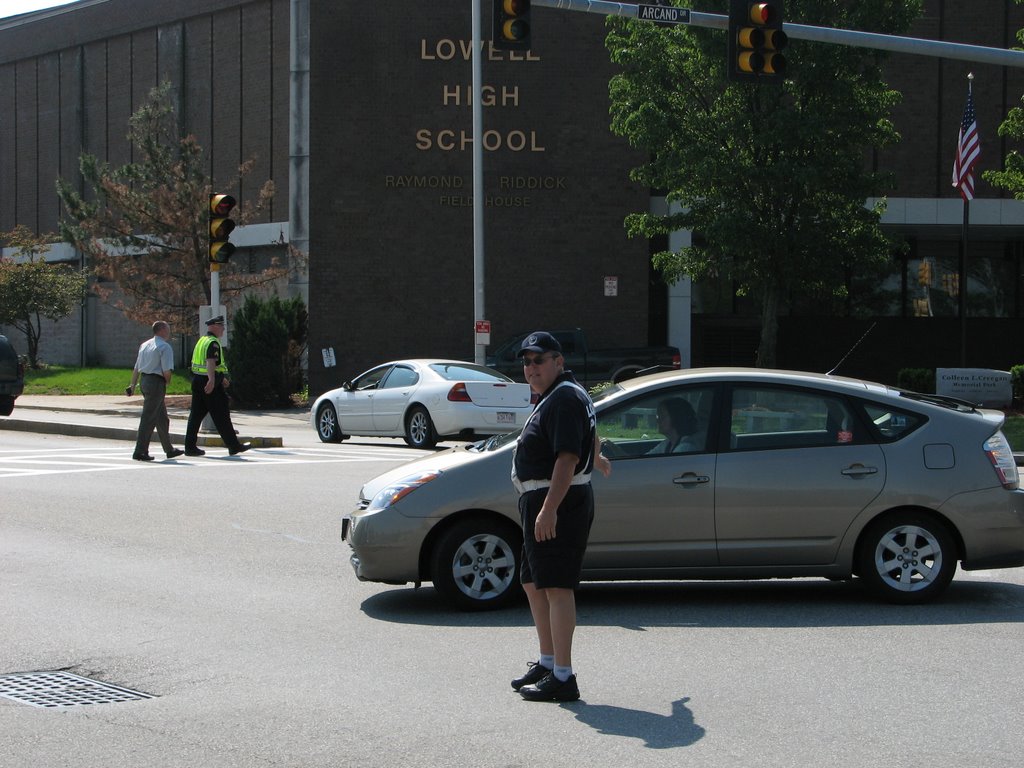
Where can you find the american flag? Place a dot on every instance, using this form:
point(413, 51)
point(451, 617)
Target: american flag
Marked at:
point(968, 150)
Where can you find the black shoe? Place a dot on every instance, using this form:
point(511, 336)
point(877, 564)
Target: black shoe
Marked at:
point(534, 674)
point(174, 453)
point(194, 452)
point(552, 689)
point(142, 457)
point(242, 448)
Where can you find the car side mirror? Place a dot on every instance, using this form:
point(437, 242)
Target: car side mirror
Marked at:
point(347, 386)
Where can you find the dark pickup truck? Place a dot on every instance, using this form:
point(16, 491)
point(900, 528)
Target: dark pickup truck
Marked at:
point(12, 376)
point(590, 366)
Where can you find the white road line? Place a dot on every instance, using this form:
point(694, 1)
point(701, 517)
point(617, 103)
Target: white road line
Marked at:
point(67, 461)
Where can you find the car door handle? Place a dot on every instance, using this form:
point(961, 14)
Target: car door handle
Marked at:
point(859, 470)
point(691, 478)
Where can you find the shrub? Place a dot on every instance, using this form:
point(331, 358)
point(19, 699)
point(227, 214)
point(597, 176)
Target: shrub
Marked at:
point(917, 379)
point(268, 341)
point(1017, 382)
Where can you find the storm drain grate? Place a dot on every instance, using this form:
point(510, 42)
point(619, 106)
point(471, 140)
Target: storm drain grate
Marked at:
point(62, 689)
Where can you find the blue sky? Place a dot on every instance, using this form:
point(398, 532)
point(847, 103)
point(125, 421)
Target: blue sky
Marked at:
point(14, 7)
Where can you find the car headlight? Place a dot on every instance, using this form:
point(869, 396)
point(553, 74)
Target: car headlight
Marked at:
point(398, 490)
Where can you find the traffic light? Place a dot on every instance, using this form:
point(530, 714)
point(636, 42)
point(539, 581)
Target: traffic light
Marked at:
point(510, 25)
point(951, 284)
point(924, 272)
point(755, 39)
point(220, 229)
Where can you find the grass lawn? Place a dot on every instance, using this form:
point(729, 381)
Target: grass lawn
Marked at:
point(61, 380)
point(1014, 431)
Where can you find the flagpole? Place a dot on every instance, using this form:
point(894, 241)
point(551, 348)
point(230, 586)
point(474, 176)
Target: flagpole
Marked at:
point(968, 150)
point(962, 279)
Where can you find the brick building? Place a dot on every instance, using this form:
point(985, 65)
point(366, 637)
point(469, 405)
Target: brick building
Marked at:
point(374, 176)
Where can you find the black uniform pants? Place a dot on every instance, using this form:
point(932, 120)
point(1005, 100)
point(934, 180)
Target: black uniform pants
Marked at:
point(216, 404)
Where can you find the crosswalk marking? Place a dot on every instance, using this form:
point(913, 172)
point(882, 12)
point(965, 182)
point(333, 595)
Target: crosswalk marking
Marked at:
point(51, 461)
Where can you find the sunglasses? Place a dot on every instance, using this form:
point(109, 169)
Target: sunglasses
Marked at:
point(538, 360)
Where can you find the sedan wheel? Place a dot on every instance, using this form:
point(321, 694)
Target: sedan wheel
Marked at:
point(327, 426)
point(419, 429)
point(476, 564)
point(907, 558)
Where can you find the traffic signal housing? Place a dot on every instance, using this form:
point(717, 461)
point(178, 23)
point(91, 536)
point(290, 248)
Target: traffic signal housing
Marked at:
point(755, 41)
point(510, 25)
point(221, 226)
point(924, 272)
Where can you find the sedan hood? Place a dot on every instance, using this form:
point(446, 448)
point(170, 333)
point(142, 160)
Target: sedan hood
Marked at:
point(441, 461)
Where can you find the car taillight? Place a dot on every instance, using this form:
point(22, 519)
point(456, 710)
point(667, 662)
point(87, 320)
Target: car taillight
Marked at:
point(998, 451)
point(458, 394)
point(677, 361)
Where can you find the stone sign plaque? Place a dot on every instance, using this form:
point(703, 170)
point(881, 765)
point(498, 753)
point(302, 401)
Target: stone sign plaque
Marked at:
point(983, 386)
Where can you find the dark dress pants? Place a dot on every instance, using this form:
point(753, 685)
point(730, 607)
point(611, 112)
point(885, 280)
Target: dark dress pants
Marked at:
point(216, 404)
point(154, 414)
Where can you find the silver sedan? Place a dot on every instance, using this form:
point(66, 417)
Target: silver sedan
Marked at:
point(778, 474)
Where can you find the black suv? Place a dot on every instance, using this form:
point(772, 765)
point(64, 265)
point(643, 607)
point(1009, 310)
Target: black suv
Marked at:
point(12, 376)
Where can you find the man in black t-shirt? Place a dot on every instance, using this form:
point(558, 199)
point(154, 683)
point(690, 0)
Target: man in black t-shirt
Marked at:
point(554, 456)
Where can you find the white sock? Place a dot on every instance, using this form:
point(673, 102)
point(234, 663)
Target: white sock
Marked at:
point(548, 662)
point(563, 673)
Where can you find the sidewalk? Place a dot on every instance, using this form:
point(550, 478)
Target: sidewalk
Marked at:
point(116, 417)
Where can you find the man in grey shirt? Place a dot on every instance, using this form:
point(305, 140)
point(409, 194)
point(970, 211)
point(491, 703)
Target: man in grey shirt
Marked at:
point(152, 372)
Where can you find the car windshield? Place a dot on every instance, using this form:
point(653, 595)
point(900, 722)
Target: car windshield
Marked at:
point(494, 442)
point(606, 391)
point(467, 372)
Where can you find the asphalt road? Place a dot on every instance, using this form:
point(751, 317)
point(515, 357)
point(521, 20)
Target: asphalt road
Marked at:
point(220, 586)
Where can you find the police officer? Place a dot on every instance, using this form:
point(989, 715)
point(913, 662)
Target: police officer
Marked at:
point(209, 384)
point(555, 454)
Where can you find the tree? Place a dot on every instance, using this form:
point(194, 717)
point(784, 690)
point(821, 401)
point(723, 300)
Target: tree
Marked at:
point(1011, 178)
point(773, 179)
point(144, 225)
point(31, 288)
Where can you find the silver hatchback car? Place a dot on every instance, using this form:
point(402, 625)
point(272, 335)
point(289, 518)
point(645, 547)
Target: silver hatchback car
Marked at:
point(769, 474)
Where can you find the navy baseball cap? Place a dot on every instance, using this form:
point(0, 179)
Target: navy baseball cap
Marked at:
point(539, 341)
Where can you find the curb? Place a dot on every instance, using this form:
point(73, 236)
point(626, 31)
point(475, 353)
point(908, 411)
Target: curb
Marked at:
point(124, 433)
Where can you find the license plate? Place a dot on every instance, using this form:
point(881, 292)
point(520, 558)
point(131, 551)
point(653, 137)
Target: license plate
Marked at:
point(506, 417)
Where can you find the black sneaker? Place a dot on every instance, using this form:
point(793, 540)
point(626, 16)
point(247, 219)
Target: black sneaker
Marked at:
point(534, 674)
point(552, 689)
point(195, 452)
point(240, 448)
point(142, 457)
point(174, 453)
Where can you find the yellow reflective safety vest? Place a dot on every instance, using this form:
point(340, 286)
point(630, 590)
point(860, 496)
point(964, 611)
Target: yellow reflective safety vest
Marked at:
point(199, 356)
